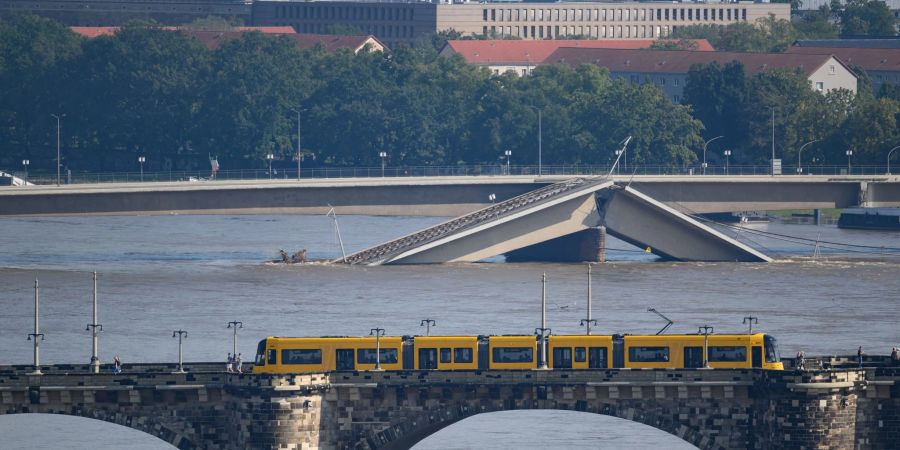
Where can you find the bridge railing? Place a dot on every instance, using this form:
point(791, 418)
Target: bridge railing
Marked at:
point(61, 369)
point(45, 178)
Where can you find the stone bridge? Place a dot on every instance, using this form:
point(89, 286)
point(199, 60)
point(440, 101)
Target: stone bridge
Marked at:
point(712, 409)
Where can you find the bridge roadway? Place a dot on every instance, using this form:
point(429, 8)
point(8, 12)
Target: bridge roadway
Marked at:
point(437, 196)
point(726, 409)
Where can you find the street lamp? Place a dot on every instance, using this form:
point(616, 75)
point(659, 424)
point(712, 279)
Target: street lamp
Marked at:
point(727, 156)
point(618, 153)
point(589, 321)
point(26, 162)
point(704, 151)
point(270, 157)
point(428, 323)
point(58, 162)
point(299, 152)
point(181, 334)
point(508, 154)
point(888, 160)
point(800, 152)
point(383, 156)
point(94, 328)
point(142, 160)
point(543, 332)
point(235, 324)
point(705, 330)
point(849, 153)
point(750, 320)
point(377, 332)
point(37, 331)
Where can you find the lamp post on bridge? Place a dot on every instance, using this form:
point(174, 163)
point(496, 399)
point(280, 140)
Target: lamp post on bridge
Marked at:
point(383, 156)
point(270, 157)
point(58, 162)
point(95, 328)
point(704, 152)
point(849, 154)
point(750, 320)
point(705, 330)
point(888, 160)
point(142, 160)
point(26, 162)
point(589, 321)
point(800, 152)
point(37, 336)
point(428, 323)
point(378, 333)
point(181, 334)
point(543, 331)
point(234, 324)
point(508, 154)
point(299, 152)
point(727, 156)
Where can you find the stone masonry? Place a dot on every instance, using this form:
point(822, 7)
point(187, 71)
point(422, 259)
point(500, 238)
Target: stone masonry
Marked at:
point(712, 409)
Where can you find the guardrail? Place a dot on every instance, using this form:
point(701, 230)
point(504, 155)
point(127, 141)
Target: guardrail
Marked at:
point(43, 178)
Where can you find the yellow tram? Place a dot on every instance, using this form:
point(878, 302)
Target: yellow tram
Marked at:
point(522, 352)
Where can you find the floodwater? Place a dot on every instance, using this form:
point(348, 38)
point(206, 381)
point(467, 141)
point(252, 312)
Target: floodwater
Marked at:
point(162, 273)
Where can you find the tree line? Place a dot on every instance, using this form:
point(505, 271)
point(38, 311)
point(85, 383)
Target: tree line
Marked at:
point(162, 95)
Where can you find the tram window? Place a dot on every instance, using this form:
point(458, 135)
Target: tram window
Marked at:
point(513, 354)
point(272, 354)
point(301, 356)
point(261, 353)
point(580, 354)
point(445, 355)
point(771, 349)
point(648, 354)
point(462, 355)
point(597, 358)
point(367, 356)
point(726, 354)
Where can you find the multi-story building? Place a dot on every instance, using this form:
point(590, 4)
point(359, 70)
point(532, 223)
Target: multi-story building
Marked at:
point(669, 68)
point(395, 23)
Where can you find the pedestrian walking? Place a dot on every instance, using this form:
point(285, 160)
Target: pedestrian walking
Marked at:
point(239, 364)
point(117, 364)
point(859, 355)
point(800, 362)
point(895, 356)
point(229, 364)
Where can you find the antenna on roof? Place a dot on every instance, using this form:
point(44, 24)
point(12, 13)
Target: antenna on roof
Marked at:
point(669, 324)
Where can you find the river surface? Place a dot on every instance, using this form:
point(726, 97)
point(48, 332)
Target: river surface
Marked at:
point(162, 273)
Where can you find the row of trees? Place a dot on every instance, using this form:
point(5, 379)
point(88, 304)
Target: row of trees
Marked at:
point(162, 95)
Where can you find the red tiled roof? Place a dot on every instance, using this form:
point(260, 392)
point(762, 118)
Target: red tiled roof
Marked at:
point(92, 32)
point(680, 61)
point(883, 59)
point(536, 51)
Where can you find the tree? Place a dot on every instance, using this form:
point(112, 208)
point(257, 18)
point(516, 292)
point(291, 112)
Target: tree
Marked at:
point(768, 34)
point(718, 97)
point(673, 44)
point(867, 18)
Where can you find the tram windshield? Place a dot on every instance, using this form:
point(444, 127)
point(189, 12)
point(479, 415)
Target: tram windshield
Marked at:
point(261, 353)
point(771, 345)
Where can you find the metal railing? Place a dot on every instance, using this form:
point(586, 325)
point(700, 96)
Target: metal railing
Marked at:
point(493, 212)
point(46, 178)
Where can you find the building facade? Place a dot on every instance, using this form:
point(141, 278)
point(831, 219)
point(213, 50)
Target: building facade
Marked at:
point(669, 68)
point(395, 23)
point(882, 65)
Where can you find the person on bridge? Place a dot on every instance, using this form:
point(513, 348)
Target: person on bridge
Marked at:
point(239, 365)
point(229, 364)
point(117, 364)
point(800, 362)
point(859, 355)
point(895, 356)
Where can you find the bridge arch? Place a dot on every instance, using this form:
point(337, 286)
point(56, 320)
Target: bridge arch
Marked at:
point(146, 424)
point(426, 422)
point(521, 428)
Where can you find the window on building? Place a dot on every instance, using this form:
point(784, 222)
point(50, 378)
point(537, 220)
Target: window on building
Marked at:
point(820, 86)
point(484, 14)
point(831, 69)
point(494, 14)
point(675, 99)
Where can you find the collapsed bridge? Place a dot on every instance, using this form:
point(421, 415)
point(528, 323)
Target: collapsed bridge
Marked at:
point(556, 214)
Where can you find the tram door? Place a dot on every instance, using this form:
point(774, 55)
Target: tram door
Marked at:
point(427, 358)
point(757, 356)
point(562, 357)
point(693, 357)
point(343, 358)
